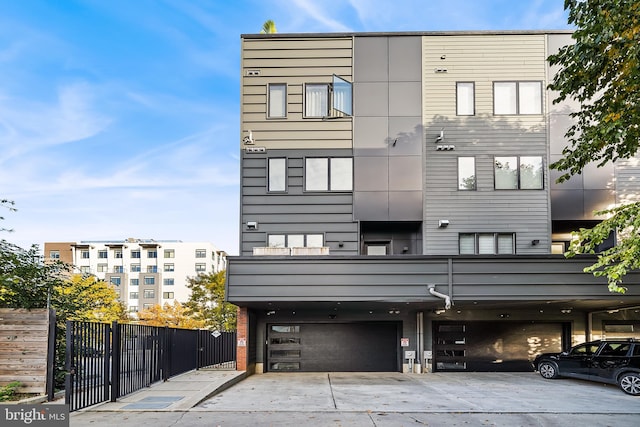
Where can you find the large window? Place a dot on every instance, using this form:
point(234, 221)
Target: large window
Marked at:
point(517, 98)
point(316, 100)
point(524, 173)
point(466, 173)
point(277, 174)
point(328, 174)
point(277, 100)
point(486, 243)
point(465, 99)
point(323, 100)
point(295, 240)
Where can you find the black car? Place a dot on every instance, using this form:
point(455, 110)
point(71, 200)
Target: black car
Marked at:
point(607, 361)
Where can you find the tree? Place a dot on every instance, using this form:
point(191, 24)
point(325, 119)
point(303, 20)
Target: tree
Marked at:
point(173, 315)
point(25, 281)
point(601, 71)
point(269, 27)
point(207, 301)
point(87, 298)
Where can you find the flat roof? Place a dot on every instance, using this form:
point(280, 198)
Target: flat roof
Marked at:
point(405, 33)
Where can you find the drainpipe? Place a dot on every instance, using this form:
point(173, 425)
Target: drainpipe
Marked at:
point(447, 299)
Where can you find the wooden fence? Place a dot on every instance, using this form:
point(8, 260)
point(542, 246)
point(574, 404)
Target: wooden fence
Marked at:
point(27, 340)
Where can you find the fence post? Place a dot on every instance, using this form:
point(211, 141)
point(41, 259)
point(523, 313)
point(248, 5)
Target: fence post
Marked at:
point(115, 361)
point(51, 355)
point(165, 346)
point(68, 378)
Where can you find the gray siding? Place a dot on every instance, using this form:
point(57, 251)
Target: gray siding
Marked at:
point(405, 279)
point(294, 211)
point(482, 60)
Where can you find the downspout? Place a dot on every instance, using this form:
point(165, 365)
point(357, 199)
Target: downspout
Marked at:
point(447, 299)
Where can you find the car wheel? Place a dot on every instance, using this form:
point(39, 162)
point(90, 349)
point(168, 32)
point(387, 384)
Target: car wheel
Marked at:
point(630, 383)
point(548, 370)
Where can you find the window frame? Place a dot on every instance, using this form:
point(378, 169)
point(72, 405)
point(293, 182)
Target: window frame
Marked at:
point(270, 168)
point(518, 172)
point(148, 293)
point(496, 247)
point(284, 101)
point(169, 267)
point(201, 267)
point(328, 176)
point(84, 254)
point(306, 101)
point(475, 174)
point(305, 239)
point(169, 253)
point(134, 282)
point(518, 100)
point(168, 281)
point(200, 253)
point(473, 98)
point(149, 280)
point(168, 295)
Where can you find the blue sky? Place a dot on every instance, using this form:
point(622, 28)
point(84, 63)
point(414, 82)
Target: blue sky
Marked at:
point(120, 118)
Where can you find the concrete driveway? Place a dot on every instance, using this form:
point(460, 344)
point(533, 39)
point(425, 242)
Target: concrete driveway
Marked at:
point(393, 400)
point(435, 392)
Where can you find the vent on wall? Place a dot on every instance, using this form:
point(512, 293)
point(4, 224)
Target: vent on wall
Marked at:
point(252, 73)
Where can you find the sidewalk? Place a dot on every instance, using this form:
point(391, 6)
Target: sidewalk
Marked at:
point(179, 393)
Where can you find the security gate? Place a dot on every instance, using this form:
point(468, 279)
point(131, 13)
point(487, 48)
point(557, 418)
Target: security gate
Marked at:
point(106, 361)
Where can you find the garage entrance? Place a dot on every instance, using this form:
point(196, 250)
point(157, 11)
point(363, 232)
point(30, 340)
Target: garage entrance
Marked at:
point(333, 347)
point(495, 346)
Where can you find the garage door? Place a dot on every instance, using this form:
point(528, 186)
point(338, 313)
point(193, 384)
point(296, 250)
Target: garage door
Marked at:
point(494, 346)
point(333, 347)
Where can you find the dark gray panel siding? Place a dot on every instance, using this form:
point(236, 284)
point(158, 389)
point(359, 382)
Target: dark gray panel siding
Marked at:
point(387, 128)
point(294, 211)
point(405, 279)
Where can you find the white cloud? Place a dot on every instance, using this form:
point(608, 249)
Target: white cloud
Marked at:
point(27, 125)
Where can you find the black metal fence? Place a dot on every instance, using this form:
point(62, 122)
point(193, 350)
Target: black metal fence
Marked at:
point(106, 361)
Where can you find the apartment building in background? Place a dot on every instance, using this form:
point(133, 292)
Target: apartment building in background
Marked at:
point(144, 272)
point(398, 211)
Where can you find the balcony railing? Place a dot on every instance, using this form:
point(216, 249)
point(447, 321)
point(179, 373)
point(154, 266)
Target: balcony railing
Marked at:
point(297, 251)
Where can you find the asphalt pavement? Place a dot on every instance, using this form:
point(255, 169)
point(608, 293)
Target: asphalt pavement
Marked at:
point(227, 398)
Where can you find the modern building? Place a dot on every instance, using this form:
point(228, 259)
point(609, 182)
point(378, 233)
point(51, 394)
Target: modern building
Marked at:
point(398, 212)
point(144, 272)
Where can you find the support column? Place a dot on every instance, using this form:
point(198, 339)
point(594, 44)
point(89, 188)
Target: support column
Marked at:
point(242, 353)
